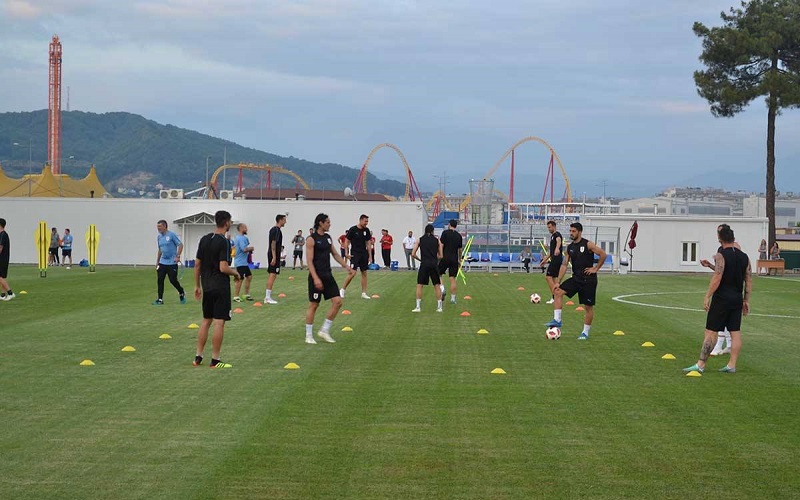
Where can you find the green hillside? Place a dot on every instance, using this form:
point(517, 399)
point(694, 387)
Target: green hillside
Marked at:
point(133, 152)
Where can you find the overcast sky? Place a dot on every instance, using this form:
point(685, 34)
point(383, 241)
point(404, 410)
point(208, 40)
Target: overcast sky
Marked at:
point(453, 84)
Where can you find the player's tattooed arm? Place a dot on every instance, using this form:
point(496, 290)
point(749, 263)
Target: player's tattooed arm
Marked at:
point(748, 289)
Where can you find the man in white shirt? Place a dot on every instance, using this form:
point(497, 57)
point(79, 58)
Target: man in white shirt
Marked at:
point(408, 245)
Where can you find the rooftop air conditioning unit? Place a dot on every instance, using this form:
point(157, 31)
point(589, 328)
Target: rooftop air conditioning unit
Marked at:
point(176, 194)
point(225, 195)
point(164, 194)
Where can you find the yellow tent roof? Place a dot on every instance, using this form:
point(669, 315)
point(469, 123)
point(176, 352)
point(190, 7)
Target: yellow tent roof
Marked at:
point(47, 185)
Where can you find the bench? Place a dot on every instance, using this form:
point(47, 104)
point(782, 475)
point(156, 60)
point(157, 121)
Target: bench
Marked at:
point(778, 265)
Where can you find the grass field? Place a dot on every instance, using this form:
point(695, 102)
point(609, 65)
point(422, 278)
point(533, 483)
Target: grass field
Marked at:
point(402, 407)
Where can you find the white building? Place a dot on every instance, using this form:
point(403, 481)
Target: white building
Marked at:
point(787, 211)
point(663, 205)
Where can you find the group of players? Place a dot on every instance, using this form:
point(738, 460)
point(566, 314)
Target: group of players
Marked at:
point(726, 300)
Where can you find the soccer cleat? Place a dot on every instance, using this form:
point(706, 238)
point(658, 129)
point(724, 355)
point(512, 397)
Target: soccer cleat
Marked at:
point(416, 310)
point(248, 298)
point(4, 298)
point(158, 302)
point(727, 350)
point(727, 369)
point(555, 323)
point(694, 368)
point(10, 295)
point(715, 352)
point(583, 336)
point(365, 296)
point(341, 292)
point(183, 299)
point(237, 299)
point(310, 340)
point(270, 301)
point(198, 360)
point(220, 364)
point(439, 310)
point(550, 301)
point(326, 336)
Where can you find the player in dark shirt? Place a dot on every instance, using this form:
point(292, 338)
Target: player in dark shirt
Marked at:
point(554, 258)
point(212, 269)
point(430, 250)
point(274, 255)
point(581, 253)
point(357, 250)
point(451, 257)
point(319, 250)
point(5, 255)
point(727, 300)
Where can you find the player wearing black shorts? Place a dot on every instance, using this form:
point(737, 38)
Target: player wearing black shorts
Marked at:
point(554, 258)
point(274, 255)
point(5, 256)
point(298, 242)
point(581, 253)
point(359, 242)
point(451, 257)
point(212, 268)
point(319, 249)
point(430, 250)
point(727, 299)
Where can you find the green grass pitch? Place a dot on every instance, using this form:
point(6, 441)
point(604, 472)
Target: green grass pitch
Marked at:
point(402, 407)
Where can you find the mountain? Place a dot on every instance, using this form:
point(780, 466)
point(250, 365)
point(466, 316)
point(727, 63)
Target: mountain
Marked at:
point(131, 151)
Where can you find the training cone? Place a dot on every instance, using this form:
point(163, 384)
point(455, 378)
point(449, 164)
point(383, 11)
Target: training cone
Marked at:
point(87, 362)
point(128, 348)
point(619, 333)
point(193, 326)
point(376, 296)
point(467, 297)
point(347, 312)
point(579, 308)
point(238, 310)
point(569, 303)
point(466, 313)
point(495, 274)
point(257, 304)
point(23, 292)
point(483, 331)
point(347, 329)
point(281, 295)
point(648, 344)
point(668, 356)
point(520, 288)
point(291, 278)
point(694, 373)
point(292, 366)
point(499, 371)
point(165, 336)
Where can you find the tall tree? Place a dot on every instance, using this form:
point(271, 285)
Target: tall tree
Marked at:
point(756, 52)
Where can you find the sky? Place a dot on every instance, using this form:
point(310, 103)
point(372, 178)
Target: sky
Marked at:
point(453, 84)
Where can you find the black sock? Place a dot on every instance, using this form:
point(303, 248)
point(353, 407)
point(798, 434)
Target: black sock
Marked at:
point(198, 359)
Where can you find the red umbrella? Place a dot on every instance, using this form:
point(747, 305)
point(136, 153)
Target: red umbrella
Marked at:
point(632, 235)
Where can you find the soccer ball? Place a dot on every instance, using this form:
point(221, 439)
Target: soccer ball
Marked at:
point(553, 333)
point(535, 299)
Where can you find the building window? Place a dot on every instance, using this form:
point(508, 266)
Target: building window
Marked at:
point(608, 247)
point(689, 255)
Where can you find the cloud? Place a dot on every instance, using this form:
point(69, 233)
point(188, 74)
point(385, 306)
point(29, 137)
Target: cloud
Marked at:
point(21, 9)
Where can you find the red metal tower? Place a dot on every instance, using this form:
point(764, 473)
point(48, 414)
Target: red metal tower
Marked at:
point(54, 108)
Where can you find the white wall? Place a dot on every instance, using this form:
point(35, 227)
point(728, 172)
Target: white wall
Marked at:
point(128, 226)
point(659, 240)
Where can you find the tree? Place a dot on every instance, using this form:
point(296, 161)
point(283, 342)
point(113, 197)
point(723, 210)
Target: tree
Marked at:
point(756, 52)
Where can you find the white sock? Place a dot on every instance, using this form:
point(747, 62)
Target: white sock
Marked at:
point(326, 326)
point(586, 328)
point(557, 314)
point(418, 302)
point(720, 341)
point(438, 304)
point(269, 294)
point(309, 330)
point(727, 338)
point(452, 296)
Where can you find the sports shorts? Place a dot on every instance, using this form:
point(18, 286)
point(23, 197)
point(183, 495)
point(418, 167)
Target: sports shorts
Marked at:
point(428, 273)
point(554, 267)
point(359, 262)
point(449, 266)
point(721, 315)
point(585, 288)
point(217, 304)
point(329, 288)
point(244, 271)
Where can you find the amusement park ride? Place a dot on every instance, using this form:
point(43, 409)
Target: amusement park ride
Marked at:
point(436, 203)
